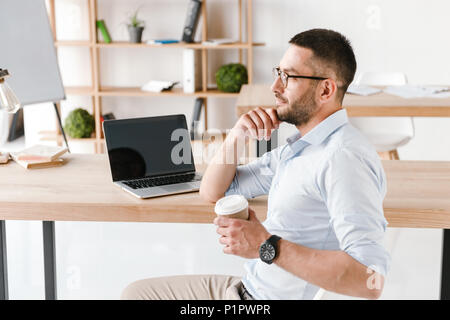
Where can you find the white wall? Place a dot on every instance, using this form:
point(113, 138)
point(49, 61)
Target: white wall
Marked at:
point(96, 260)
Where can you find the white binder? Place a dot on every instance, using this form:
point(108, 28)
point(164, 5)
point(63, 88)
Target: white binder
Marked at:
point(191, 71)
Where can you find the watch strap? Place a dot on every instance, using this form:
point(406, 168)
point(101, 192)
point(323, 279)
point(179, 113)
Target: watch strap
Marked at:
point(273, 239)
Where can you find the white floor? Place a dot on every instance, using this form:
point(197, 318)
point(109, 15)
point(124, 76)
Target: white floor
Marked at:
point(97, 260)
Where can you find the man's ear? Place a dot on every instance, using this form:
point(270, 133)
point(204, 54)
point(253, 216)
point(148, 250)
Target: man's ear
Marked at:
point(328, 90)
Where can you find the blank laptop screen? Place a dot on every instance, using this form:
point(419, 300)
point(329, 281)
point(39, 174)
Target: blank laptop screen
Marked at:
point(146, 147)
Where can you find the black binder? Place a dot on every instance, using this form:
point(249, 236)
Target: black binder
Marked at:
point(196, 117)
point(190, 25)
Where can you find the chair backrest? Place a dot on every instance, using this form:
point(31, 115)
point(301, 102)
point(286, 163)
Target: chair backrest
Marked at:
point(382, 79)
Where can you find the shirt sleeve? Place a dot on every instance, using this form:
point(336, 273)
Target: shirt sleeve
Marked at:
point(254, 179)
point(354, 189)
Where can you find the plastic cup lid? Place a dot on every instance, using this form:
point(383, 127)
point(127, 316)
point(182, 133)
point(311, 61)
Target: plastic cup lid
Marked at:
point(230, 204)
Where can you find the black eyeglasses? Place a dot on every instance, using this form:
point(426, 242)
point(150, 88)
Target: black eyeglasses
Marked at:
point(277, 72)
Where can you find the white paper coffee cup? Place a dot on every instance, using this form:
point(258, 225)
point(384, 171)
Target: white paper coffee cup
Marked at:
point(235, 206)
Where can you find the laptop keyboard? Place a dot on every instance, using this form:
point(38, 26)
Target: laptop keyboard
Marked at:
point(161, 181)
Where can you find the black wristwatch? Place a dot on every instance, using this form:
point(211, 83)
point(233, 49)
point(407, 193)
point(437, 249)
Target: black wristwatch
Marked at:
point(268, 251)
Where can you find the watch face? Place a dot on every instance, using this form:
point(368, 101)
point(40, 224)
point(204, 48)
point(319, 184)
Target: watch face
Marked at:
point(267, 252)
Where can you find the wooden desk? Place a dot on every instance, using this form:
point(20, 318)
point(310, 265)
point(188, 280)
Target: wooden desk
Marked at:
point(81, 190)
point(378, 105)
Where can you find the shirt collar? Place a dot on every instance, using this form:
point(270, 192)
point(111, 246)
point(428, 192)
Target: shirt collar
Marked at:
point(319, 133)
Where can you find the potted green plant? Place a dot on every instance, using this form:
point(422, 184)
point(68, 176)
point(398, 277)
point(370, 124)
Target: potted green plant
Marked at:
point(79, 124)
point(135, 27)
point(231, 77)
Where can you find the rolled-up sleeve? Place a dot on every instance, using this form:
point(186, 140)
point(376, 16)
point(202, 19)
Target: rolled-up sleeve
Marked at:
point(354, 187)
point(254, 179)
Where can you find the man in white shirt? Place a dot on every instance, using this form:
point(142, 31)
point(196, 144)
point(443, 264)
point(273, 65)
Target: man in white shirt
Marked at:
point(325, 186)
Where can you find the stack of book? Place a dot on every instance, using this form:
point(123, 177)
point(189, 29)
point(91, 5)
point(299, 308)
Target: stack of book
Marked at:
point(39, 156)
point(4, 157)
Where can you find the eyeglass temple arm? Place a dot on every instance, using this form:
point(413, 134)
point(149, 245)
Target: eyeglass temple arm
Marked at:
point(307, 77)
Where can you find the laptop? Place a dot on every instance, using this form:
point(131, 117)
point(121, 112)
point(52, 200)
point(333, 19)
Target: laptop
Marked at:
point(152, 156)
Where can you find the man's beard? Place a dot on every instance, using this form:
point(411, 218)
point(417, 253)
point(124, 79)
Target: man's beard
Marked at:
point(299, 111)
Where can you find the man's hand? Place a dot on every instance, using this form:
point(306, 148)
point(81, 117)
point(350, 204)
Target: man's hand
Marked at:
point(258, 123)
point(241, 237)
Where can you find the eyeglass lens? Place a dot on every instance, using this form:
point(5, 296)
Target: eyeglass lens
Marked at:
point(278, 73)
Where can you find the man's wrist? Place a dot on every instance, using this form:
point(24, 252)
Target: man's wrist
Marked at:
point(269, 249)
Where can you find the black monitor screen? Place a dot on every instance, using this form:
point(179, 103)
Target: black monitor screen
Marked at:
point(145, 147)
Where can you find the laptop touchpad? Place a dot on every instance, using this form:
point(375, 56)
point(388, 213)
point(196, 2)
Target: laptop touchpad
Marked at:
point(179, 187)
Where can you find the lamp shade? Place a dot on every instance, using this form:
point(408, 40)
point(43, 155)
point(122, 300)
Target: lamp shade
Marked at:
point(8, 100)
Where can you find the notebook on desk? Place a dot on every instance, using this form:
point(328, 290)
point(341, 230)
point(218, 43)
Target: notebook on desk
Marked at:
point(151, 157)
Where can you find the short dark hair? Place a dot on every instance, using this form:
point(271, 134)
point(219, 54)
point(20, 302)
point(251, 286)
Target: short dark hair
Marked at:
point(331, 49)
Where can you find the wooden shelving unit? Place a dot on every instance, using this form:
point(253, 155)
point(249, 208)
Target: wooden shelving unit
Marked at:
point(137, 92)
point(124, 44)
point(245, 44)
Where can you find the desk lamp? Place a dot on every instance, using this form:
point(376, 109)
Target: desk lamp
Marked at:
point(8, 103)
point(8, 100)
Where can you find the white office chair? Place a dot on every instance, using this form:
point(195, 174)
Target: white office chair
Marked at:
point(386, 133)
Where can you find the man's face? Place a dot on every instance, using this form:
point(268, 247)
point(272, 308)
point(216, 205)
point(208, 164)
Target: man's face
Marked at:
point(296, 103)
